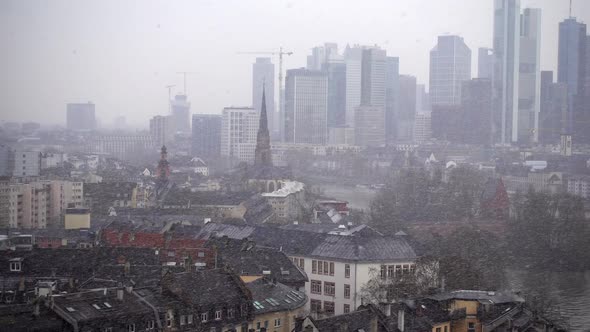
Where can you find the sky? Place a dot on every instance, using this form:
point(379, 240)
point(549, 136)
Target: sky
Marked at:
point(121, 54)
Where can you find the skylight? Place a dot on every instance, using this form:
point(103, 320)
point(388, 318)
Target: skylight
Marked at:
point(258, 305)
point(108, 305)
point(96, 306)
point(70, 309)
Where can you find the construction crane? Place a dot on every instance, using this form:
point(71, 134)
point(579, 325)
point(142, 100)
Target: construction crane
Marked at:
point(280, 53)
point(184, 73)
point(169, 87)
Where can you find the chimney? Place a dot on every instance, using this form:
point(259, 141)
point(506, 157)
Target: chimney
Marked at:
point(401, 320)
point(120, 294)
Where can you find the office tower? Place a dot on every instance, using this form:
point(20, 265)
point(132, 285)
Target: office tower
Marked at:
point(181, 114)
point(450, 65)
point(476, 111)
point(485, 62)
point(353, 60)
point(571, 71)
point(124, 146)
point(306, 106)
point(321, 55)
point(336, 72)
point(406, 111)
point(263, 75)
point(262, 155)
point(584, 109)
point(206, 138)
point(422, 127)
point(81, 117)
point(422, 99)
point(373, 66)
point(554, 109)
point(239, 128)
point(162, 130)
point(369, 126)
point(529, 91)
point(506, 61)
point(391, 97)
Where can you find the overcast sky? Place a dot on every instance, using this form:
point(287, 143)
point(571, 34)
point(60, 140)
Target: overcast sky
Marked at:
point(121, 54)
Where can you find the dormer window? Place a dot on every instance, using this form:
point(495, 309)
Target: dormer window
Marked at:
point(16, 265)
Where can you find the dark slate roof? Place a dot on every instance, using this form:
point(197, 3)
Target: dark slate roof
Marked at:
point(176, 197)
point(354, 321)
point(212, 230)
point(83, 305)
point(139, 276)
point(20, 317)
point(268, 296)
point(206, 287)
point(245, 258)
point(360, 248)
point(482, 296)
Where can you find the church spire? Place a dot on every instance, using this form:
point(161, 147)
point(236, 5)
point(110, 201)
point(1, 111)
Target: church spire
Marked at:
point(262, 155)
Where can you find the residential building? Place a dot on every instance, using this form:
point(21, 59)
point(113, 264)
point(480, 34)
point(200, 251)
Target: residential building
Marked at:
point(476, 109)
point(579, 186)
point(406, 108)
point(77, 218)
point(25, 163)
point(181, 114)
point(529, 87)
point(80, 117)
point(263, 78)
point(450, 65)
point(206, 138)
point(485, 63)
point(367, 318)
point(239, 128)
point(506, 71)
point(122, 146)
point(6, 167)
point(162, 129)
point(287, 200)
point(552, 182)
point(369, 126)
point(306, 107)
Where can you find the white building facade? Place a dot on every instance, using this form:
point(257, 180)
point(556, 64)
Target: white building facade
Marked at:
point(239, 127)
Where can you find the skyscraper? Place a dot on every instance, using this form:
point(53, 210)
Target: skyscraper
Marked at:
point(554, 106)
point(206, 138)
point(162, 129)
point(571, 69)
point(336, 71)
point(450, 65)
point(529, 88)
point(506, 61)
point(373, 66)
point(353, 60)
point(391, 96)
point(406, 111)
point(485, 62)
point(262, 155)
point(81, 117)
point(306, 106)
point(181, 114)
point(369, 126)
point(239, 128)
point(476, 111)
point(263, 73)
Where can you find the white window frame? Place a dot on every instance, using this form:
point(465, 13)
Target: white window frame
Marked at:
point(204, 317)
point(182, 320)
point(189, 319)
point(217, 314)
point(15, 266)
point(277, 322)
point(130, 327)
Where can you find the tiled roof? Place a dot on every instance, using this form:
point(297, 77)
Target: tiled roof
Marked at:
point(476, 295)
point(270, 296)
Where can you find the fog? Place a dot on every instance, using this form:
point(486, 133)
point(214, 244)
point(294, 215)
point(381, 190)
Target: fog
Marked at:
point(121, 54)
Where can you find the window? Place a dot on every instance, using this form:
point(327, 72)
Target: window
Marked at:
point(107, 329)
point(169, 318)
point(446, 329)
point(230, 313)
point(382, 273)
point(14, 266)
point(438, 329)
point(329, 288)
point(277, 322)
point(326, 267)
point(346, 270)
point(347, 291)
point(471, 327)
point(257, 326)
point(189, 319)
point(346, 308)
point(329, 308)
point(266, 325)
point(218, 314)
point(315, 305)
point(150, 325)
point(131, 327)
point(316, 287)
point(331, 268)
point(204, 317)
point(390, 271)
point(302, 263)
point(182, 319)
point(70, 309)
point(320, 267)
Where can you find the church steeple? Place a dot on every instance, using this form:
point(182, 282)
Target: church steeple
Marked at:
point(262, 155)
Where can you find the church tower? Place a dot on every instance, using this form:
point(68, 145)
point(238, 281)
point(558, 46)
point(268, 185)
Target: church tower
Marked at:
point(262, 155)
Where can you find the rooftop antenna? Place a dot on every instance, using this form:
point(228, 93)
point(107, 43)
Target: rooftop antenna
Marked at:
point(570, 8)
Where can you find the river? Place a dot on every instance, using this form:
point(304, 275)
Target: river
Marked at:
point(567, 292)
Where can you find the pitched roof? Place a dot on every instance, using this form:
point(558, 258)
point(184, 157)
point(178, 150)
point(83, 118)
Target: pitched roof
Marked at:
point(270, 296)
point(477, 295)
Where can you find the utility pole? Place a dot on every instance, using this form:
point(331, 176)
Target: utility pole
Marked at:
point(169, 87)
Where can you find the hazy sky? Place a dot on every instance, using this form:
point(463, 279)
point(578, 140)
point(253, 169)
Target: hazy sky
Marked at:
point(121, 54)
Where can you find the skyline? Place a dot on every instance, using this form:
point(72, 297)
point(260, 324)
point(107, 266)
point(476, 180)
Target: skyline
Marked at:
point(123, 67)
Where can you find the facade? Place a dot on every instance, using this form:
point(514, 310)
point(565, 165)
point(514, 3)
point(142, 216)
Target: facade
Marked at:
point(476, 107)
point(162, 129)
point(406, 108)
point(353, 61)
point(287, 200)
point(529, 88)
point(25, 163)
point(306, 107)
point(77, 219)
point(579, 185)
point(263, 78)
point(485, 62)
point(373, 66)
point(450, 65)
point(181, 114)
point(422, 127)
point(239, 128)
point(80, 117)
point(369, 125)
point(391, 97)
point(6, 166)
point(505, 76)
point(336, 71)
point(206, 138)
point(554, 109)
point(275, 306)
point(122, 146)
point(571, 68)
